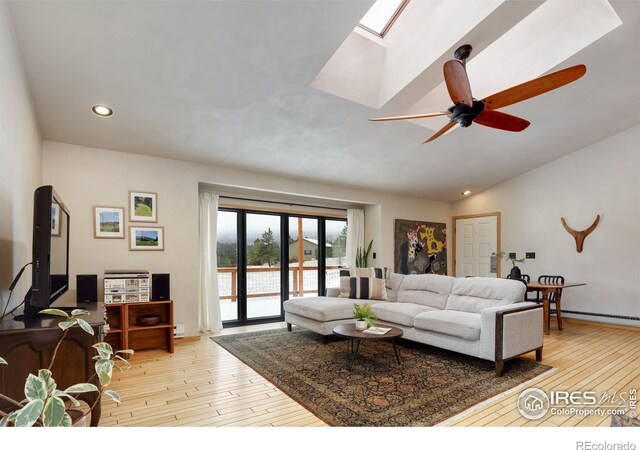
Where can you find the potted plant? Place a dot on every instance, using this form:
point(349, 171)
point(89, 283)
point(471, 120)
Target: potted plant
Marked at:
point(47, 406)
point(515, 273)
point(362, 255)
point(364, 316)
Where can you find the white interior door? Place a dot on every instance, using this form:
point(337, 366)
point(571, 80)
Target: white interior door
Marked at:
point(476, 239)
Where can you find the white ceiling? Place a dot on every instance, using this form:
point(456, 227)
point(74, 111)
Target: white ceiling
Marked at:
point(228, 83)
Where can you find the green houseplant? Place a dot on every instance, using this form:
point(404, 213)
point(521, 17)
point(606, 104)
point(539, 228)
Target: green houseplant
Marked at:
point(47, 406)
point(362, 255)
point(364, 316)
point(515, 273)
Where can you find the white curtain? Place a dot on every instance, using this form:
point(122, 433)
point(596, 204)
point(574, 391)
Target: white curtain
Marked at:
point(210, 317)
point(355, 234)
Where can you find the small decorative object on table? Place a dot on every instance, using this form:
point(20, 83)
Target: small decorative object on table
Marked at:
point(377, 330)
point(364, 316)
point(515, 273)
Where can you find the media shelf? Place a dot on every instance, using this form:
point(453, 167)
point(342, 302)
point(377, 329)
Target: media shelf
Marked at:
point(126, 333)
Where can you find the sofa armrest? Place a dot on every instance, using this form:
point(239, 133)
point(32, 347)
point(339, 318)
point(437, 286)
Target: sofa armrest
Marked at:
point(511, 330)
point(333, 292)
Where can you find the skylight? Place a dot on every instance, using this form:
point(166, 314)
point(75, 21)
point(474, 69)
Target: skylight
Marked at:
point(381, 16)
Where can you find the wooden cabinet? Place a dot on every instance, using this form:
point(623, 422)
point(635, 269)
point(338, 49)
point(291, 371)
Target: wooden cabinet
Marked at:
point(29, 346)
point(126, 333)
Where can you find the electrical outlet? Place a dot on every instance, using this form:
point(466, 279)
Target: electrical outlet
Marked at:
point(530, 255)
point(512, 255)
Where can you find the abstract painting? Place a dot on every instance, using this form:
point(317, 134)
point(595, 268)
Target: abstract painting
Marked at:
point(420, 247)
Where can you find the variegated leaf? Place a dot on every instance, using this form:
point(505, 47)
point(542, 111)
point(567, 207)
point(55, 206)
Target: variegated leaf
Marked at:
point(127, 351)
point(85, 326)
point(66, 421)
point(125, 361)
point(10, 418)
point(54, 312)
point(79, 312)
point(62, 394)
point(47, 377)
point(34, 388)
point(2, 361)
point(54, 412)
point(104, 369)
point(67, 324)
point(80, 388)
point(29, 414)
point(104, 346)
point(114, 395)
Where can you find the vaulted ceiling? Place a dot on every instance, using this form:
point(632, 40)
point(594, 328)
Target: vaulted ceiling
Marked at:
point(230, 84)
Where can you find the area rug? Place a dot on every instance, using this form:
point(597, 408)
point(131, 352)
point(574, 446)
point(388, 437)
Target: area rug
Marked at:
point(429, 386)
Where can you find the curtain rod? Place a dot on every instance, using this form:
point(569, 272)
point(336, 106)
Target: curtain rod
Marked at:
point(281, 203)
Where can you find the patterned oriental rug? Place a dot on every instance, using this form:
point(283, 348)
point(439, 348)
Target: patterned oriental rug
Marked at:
point(429, 386)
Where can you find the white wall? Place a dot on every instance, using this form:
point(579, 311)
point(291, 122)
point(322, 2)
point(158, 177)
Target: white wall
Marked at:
point(86, 177)
point(20, 164)
point(600, 179)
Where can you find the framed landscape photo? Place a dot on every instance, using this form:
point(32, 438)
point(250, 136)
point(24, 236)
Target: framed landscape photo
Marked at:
point(55, 219)
point(146, 238)
point(108, 222)
point(143, 207)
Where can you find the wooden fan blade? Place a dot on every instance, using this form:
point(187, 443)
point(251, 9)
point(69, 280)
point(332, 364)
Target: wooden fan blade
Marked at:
point(535, 87)
point(502, 121)
point(414, 116)
point(457, 81)
point(441, 131)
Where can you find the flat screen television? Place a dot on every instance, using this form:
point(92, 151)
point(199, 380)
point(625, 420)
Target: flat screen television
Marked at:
point(50, 271)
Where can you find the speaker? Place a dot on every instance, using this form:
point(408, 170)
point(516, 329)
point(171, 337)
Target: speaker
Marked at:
point(86, 288)
point(160, 286)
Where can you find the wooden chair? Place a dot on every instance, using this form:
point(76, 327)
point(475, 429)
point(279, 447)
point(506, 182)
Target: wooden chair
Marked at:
point(526, 279)
point(554, 297)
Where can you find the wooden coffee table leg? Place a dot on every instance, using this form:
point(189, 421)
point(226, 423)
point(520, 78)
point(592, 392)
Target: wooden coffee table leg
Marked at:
point(354, 352)
point(395, 349)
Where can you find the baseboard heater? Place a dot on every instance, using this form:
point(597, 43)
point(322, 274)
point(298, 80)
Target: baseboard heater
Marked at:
point(610, 316)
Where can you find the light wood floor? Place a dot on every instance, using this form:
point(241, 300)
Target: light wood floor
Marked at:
point(201, 384)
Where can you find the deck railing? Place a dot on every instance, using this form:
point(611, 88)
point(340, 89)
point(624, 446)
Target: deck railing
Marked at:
point(295, 274)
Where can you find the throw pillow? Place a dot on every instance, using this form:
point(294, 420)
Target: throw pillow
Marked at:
point(365, 283)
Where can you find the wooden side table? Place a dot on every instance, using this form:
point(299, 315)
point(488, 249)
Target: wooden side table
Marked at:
point(356, 337)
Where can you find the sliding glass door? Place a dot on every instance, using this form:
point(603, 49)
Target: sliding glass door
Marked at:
point(263, 268)
point(264, 258)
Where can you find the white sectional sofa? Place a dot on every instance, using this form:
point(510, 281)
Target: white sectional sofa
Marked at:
point(482, 317)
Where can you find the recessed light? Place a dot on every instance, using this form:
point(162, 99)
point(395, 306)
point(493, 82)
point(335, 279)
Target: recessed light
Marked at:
point(102, 110)
point(466, 193)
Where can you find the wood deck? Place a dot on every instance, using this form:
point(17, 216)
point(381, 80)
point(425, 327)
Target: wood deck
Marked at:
point(201, 384)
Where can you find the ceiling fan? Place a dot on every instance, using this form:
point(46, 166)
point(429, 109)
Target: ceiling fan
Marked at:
point(467, 109)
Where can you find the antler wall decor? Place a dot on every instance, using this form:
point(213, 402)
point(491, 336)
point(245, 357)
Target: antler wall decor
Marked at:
point(579, 236)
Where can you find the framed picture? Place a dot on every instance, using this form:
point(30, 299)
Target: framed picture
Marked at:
point(420, 247)
point(143, 207)
point(108, 222)
point(55, 219)
point(146, 238)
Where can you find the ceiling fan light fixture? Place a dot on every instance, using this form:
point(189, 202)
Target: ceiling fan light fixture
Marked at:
point(102, 110)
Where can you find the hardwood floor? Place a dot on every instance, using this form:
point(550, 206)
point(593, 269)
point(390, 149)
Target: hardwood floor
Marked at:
point(201, 384)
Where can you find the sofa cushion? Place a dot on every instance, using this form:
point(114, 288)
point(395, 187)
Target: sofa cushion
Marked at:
point(367, 283)
point(323, 309)
point(427, 290)
point(394, 283)
point(400, 313)
point(477, 293)
point(459, 324)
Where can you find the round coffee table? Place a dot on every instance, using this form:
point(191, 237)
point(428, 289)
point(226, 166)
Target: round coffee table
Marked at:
point(349, 331)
